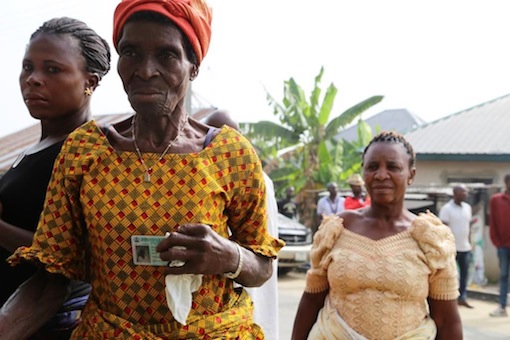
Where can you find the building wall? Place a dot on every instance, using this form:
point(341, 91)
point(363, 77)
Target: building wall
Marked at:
point(437, 173)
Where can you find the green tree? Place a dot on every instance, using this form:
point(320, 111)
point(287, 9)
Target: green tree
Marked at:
point(352, 150)
point(301, 150)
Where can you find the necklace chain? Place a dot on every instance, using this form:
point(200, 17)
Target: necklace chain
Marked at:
point(148, 170)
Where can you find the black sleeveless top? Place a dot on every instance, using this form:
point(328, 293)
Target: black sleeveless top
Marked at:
point(22, 193)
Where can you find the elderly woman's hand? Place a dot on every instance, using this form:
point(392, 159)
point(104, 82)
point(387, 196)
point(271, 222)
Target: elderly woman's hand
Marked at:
point(209, 253)
point(206, 252)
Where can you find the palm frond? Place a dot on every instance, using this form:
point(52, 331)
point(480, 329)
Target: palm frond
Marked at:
point(349, 115)
point(327, 104)
point(314, 98)
point(267, 130)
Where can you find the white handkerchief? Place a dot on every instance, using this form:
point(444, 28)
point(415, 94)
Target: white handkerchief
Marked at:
point(178, 294)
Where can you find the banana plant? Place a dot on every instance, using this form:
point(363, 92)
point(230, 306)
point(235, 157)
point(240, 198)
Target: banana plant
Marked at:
point(302, 150)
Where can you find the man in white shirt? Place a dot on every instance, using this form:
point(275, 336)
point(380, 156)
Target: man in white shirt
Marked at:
point(265, 297)
point(458, 216)
point(332, 204)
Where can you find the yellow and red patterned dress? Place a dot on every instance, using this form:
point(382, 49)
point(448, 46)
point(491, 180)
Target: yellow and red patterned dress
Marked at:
point(97, 199)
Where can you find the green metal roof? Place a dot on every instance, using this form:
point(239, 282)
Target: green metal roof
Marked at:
point(480, 133)
point(463, 157)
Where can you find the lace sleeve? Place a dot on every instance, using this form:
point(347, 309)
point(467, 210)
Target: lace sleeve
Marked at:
point(438, 245)
point(323, 241)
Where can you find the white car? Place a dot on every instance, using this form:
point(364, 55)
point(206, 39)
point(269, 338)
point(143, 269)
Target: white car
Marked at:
point(298, 242)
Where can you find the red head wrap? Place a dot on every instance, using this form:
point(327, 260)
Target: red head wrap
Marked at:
point(193, 17)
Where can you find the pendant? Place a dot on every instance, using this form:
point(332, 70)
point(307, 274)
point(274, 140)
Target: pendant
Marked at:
point(147, 177)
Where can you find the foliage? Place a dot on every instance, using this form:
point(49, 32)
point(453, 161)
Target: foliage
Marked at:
point(351, 157)
point(303, 150)
point(303, 146)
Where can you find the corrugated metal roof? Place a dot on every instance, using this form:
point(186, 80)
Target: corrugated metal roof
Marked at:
point(12, 145)
point(478, 132)
point(399, 120)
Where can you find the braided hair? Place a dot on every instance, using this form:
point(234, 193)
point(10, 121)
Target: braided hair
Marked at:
point(94, 49)
point(392, 137)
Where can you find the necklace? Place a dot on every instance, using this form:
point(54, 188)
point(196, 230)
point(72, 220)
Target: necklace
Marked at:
point(333, 205)
point(148, 170)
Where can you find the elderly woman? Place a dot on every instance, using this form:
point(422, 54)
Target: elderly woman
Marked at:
point(159, 172)
point(381, 272)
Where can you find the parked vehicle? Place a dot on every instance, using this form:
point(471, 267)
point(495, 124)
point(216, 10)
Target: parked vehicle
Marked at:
point(298, 239)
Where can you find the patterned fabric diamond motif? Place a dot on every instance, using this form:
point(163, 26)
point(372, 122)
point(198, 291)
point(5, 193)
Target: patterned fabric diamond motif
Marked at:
point(108, 203)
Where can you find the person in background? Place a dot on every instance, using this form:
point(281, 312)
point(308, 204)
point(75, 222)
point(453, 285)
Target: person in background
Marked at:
point(265, 297)
point(499, 229)
point(358, 198)
point(381, 272)
point(331, 204)
point(63, 64)
point(457, 214)
point(288, 206)
point(219, 117)
point(158, 173)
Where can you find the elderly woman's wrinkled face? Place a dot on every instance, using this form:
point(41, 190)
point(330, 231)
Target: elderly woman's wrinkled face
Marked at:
point(386, 172)
point(153, 66)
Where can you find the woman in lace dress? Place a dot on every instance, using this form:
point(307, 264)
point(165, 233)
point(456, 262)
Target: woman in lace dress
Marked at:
point(381, 272)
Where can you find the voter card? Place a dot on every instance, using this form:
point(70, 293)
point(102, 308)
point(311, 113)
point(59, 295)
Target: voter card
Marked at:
point(144, 250)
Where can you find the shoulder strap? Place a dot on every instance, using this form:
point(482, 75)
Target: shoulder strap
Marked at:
point(210, 135)
point(106, 129)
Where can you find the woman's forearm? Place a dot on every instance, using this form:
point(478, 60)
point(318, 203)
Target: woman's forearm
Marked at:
point(256, 269)
point(32, 305)
point(447, 319)
point(307, 313)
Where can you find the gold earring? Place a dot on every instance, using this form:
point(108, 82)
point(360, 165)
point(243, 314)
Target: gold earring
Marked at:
point(88, 91)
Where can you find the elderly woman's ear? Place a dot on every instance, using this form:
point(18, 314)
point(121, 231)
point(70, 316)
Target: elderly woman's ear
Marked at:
point(194, 72)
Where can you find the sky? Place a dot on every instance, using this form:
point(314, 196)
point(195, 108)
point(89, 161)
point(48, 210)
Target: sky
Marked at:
point(433, 58)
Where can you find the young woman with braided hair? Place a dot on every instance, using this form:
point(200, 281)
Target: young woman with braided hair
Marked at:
point(381, 272)
point(62, 66)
